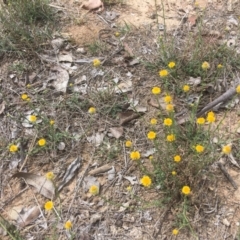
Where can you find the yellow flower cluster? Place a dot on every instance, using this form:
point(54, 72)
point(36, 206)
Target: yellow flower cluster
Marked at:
point(167, 122)
point(177, 158)
point(227, 149)
point(200, 121)
point(92, 110)
point(205, 65)
point(50, 175)
point(163, 73)
point(238, 89)
point(156, 90)
point(41, 142)
point(135, 155)
point(128, 144)
point(186, 88)
point(169, 108)
point(151, 135)
point(13, 148)
point(96, 62)
point(199, 148)
point(171, 138)
point(146, 181)
point(94, 190)
point(171, 64)
point(68, 225)
point(211, 117)
point(168, 99)
point(153, 121)
point(49, 205)
point(186, 190)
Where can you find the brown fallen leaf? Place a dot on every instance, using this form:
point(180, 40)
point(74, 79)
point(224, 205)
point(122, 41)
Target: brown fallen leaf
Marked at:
point(28, 216)
point(127, 116)
point(101, 169)
point(117, 132)
point(43, 185)
point(128, 50)
point(92, 4)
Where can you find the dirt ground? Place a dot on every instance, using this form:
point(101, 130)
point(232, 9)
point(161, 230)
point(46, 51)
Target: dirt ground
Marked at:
point(115, 213)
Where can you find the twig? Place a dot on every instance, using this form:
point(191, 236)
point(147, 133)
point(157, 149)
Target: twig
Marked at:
point(226, 174)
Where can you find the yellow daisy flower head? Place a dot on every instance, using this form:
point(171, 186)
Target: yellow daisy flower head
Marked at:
point(28, 85)
point(200, 121)
point(219, 66)
point(238, 89)
point(49, 205)
point(68, 225)
point(205, 65)
point(163, 73)
point(150, 157)
point(128, 143)
point(186, 190)
point(199, 148)
point(70, 84)
point(32, 118)
point(92, 110)
point(211, 117)
point(186, 88)
point(41, 142)
point(49, 175)
point(146, 181)
point(117, 34)
point(96, 62)
point(175, 231)
point(169, 108)
point(51, 122)
point(24, 96)
point(177, 158)
point(167, 122)
point(129, 188)
point(13, 148)
point(171, 138)
point(167, 99)
point(153, 121)
point(171, 64)
point(156, 90)
point(151, 135)
point(94, 190)
point(174, 173)
point(135, 155)
point(226, 149)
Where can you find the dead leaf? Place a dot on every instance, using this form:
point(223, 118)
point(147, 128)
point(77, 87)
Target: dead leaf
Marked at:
point(96, 139)
point(124, 87)
point(70, 173)
point(128, 50)
point(62, 78)
point(117, 132)
point(57, 43)
point(127, 116)
point(28, 216)
point(43, 185)
point(192, 20)
point(92, 4)
point(194, 81)
point(2, 107)
point(65, 58)
point(101, 169)
point(111, 174)
point(132, 180)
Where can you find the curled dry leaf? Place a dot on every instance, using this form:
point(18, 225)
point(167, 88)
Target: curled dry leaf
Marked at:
point(28, 216)
point(132, 180)
point(101, 169)
point(117, 132)
point(70, 173)
point(43, 185)
point(124, 87)
point(127, 116)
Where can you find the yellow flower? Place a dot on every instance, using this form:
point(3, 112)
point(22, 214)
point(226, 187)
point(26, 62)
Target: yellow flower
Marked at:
point(92, 110)
point(211, 117)
point(156, 90)
point(177, 158)
point(94, 190)
point(41, 142)
point(135, 155)
point(96, 62)
point(169, 108)
point(28, 99)
point(167, 122)
point(170, 137)
point(171, 64)
point(128, 143)
point(32, 118)
point(168, 99)
point(238, 89)
point(129, 188)
point(226, 149)
point(117, 34)
point(153, 121)
point(146, 181)
point(28, 85)
point(13, 148)
point(175, 231)
point(219, 66)
point(70, 84)
point(174, 173)
point(199, 148)
point(205, 65)
point(49, 175)
point(51, 122)
point(68, 225)
point(186, 88)
point(200, 121)
point(24, 96)
point(48, 205)
point(163, 73)
point(150, 157)
point(186, 190)
point(151, 135)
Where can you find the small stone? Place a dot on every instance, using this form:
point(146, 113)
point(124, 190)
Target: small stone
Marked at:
point(81, 50)
point(226, 222)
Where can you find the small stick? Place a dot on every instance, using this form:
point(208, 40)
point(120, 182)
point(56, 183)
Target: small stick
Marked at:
point(226, 174)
